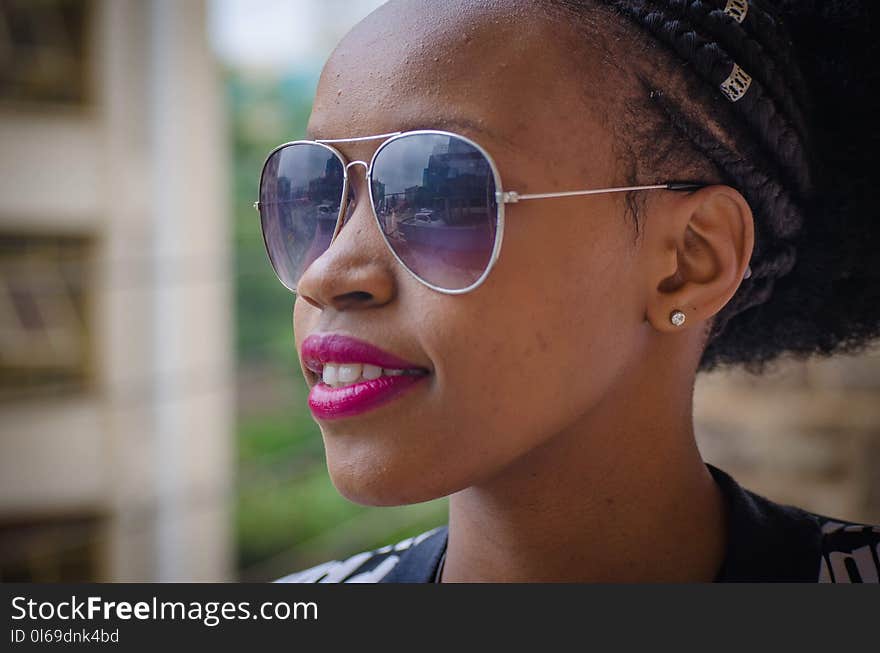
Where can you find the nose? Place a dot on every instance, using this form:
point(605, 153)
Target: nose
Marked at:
point(356, 270)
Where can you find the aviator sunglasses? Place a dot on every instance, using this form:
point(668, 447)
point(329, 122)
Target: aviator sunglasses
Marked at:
point(436, 196)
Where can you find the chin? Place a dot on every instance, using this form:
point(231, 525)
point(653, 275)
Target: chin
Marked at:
point(371, 482)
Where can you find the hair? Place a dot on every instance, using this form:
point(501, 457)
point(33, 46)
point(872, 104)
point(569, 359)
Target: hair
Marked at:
point(801, 145)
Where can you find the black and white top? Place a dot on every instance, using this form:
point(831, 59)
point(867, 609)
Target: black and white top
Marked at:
point(767, 542)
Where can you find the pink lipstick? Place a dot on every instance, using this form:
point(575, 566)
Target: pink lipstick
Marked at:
point(388, 378)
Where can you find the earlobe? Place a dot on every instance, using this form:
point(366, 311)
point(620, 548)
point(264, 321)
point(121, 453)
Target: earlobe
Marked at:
point(703, 245)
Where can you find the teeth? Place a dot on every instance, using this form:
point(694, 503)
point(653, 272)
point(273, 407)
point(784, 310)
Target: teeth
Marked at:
point(337, 375)
point(349, 373)
point(372, 372)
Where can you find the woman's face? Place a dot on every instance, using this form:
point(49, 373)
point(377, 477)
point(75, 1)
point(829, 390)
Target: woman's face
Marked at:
point(529, 353)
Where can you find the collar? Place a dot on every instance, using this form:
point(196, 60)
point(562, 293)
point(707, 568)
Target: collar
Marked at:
point(766, 541)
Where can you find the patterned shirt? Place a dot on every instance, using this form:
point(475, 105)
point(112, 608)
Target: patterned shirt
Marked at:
point(767, 542)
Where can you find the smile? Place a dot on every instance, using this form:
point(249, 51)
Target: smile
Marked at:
point(350, 377)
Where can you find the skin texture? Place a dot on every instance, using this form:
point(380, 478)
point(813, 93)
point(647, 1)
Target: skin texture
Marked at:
point(558, 411)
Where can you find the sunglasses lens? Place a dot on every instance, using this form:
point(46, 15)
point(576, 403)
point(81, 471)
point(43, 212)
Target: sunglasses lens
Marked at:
point(434, 195)
point(300, 193)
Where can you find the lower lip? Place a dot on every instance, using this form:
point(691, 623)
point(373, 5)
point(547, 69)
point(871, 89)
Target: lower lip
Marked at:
point(326, 402)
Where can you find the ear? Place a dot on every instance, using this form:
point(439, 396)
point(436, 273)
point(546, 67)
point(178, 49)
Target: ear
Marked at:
point(699, 249)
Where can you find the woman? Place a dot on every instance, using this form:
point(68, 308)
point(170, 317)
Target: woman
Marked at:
point(678, 186)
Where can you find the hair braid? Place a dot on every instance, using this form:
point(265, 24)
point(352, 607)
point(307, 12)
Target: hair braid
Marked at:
point(768, 29)
point(750, 52)
point(780, 139)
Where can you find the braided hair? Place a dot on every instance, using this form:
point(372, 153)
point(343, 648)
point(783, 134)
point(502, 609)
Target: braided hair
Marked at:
point(773, 98)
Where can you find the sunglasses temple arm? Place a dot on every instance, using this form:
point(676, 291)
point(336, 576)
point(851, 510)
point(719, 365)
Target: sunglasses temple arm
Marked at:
point(511, 196)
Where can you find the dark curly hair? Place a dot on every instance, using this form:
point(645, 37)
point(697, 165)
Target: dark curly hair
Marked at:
point(801, 145)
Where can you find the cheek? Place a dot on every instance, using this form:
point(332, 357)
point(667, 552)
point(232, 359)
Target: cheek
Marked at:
point(554, 328)
point(574, 300)
point(536, 367)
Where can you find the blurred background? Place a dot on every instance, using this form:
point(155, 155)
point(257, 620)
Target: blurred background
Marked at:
point(153, 420)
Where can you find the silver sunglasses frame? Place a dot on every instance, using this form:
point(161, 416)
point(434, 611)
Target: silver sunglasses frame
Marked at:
point(502, 197)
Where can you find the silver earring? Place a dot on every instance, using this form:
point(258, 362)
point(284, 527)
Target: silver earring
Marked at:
point(677, 317)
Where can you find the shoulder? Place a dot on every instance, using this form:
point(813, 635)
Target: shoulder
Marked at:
point(850, 551)
point(365, 567)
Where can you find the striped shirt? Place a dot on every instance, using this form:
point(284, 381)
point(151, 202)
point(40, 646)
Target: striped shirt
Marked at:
point(767, 542)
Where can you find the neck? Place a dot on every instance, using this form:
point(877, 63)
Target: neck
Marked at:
point(621, 496)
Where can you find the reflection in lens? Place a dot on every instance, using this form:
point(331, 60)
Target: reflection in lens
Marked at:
point(300, 193)
point(435, 198)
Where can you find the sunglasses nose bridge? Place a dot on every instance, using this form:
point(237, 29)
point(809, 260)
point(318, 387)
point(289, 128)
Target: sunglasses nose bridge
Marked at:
point(354, 163)
point(346, 212)
point(350, 182)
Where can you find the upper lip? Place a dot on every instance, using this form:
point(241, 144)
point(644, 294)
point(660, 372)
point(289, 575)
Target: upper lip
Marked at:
point(318, 349)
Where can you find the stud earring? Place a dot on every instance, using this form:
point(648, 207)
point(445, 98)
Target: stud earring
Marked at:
point(677, 317)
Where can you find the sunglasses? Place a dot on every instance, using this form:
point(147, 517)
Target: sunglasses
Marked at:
point(436, 196)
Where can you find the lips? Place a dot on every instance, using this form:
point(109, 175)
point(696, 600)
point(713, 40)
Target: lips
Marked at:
point(327, 402)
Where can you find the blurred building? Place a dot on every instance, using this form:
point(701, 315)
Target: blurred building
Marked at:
point(116, 398)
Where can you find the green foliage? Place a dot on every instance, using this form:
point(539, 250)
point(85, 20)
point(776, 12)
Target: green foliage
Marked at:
point(264, 114)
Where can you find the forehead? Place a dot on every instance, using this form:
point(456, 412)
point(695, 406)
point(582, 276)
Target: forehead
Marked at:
point(494, 71)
